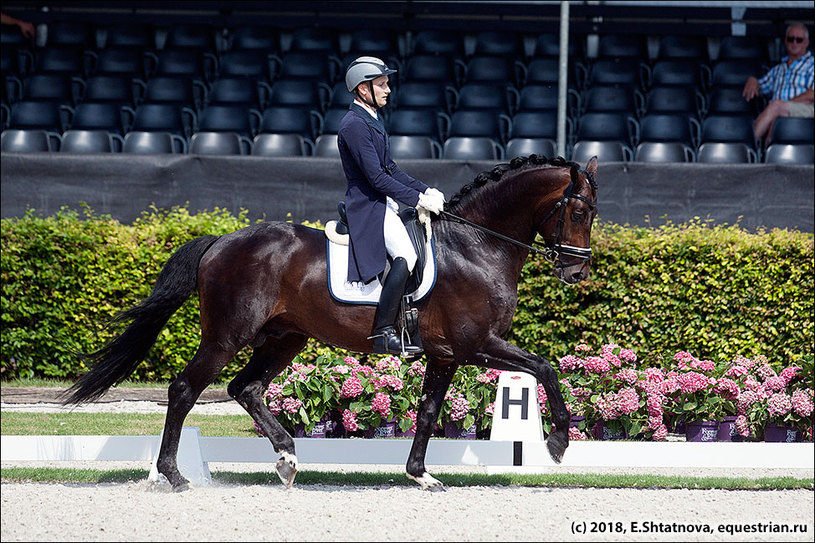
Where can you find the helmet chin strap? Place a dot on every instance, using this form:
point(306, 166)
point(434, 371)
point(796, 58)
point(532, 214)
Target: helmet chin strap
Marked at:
point(373, 96)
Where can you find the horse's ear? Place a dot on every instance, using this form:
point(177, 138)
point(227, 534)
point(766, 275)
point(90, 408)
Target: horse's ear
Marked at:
point(591, 167)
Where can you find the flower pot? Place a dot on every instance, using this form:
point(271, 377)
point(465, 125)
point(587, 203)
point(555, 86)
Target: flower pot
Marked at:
point(702, 431)
point(601, 431)
point(776, 433)
point(728, 431)
point(319, 431)
point(386, 429)
point(452, 431)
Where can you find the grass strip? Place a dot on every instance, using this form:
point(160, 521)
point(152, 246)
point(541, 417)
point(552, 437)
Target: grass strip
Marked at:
point(398, 479)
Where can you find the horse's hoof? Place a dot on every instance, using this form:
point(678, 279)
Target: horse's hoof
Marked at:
point(428, 482)
point(286, 470)
point(181, 487)
point(556, 448)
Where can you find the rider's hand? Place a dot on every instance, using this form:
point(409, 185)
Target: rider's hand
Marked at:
point(432, 200)
point(750, 89)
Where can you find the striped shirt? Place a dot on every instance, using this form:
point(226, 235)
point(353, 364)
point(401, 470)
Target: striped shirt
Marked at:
point(785, 81)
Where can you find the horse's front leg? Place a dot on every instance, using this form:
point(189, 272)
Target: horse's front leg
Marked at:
point(437, 380)
point(499, 354)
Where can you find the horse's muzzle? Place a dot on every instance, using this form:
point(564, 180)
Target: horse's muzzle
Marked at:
point(571, 273)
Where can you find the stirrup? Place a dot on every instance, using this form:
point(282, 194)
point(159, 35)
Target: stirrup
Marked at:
point(388, 341)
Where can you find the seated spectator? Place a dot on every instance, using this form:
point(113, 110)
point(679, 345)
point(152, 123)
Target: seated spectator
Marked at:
point(790, 83)
point(25, 27)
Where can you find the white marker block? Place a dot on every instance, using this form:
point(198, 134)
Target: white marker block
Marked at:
point(517, 415)
point(190, 460)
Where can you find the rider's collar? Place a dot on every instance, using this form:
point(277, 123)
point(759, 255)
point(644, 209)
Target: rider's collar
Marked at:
point(367, 108)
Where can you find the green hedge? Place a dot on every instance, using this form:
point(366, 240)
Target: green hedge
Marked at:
point(715, 291)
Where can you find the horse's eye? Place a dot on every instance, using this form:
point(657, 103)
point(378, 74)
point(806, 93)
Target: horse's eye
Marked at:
point(578, 216)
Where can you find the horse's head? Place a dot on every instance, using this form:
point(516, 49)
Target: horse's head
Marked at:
point(566, 229)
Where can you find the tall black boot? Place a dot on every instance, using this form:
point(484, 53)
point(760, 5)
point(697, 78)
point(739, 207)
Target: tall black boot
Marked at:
point(386, 338)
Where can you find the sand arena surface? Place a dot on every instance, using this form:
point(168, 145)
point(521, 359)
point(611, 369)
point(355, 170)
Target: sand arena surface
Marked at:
point(142, 511)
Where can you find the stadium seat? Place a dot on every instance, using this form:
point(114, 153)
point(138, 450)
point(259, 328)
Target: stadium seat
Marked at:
point(291, 120)
point(173, 118)
point(340, 97)
point(608, 126)
point(499, 43)
point(790, 153)
point(485, 96)
point(734, 72)
point(300, 92)
point(378, 42)
point(332, 119)
point(654, 151)
point(219, 143)
point(676, 127)
point(139, 142)
point(544, 71)
point(254, 37)
point(605, 151)
point(538, 97)
point(190, 36)
point(537, 124)
point(182, 91)
point(682, 47)
point(414, 147)
point(428, 67)
point(29, 141)
point(418, 122)
point(526, 146)
point(319, 39)
point(191, 63)
point(730, 101)
point(239, 90)
point(674, 100)
point(725, 153)
point(52, 87)
point(326, 146)
point(622, 45)
point(251, 63)
point(472, 148)
point(128, 62)
point(106, 116)
point(241, 119)
point(480, 123)
point(493, 70)
point(617, 71)
point(70, 35)
point(730, 128)
point(281, 145)
point(421, 94)
point(63, 61)
point(606, 98)
point(742, 47)
point(49, 116)
point(548, 45)
point(91, 141)
point(677, 72)
point(438, 42)
point(110, 88)
point(312, 65)
point(792, 130)
point(131, 35)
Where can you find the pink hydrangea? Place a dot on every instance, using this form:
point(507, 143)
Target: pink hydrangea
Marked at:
point(607, 407)
point(364, 370)
point(570, 362)
point(412, 416)
point(691, 381)
point(291, 405)
point(542, 397)
point(670, 385)
point(705, 365)
point(654, 374)
point(684, 360)
point(351, 361)
point(727, 389)
point(746, 399)
point(391, 381)
point(460, 408)
point(576, 435)
point(596, 364)
point(802, 403)
point(608, 355)
point(628, 375)
point(660, 433)
point(349, 420)
point(743, 362)
point(765, 371)
point(582, 348)
point(342, 369)
point(276, 407)
point(382, 404)
point(779, 404)
point(736, 372)
point(417, 368)
point(274, 390)
point(775, 383)
point(488, 376)
point(655, 403)
point(788, 374)
point(628, 355)
point(743, 425)
point(629, 401)
point(351, 388)
point(389, 363)
point(655, 422)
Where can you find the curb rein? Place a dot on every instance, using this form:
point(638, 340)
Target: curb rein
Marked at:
point(550, 252)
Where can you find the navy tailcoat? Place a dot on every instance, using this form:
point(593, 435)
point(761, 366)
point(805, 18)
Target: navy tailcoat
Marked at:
point(372, 175)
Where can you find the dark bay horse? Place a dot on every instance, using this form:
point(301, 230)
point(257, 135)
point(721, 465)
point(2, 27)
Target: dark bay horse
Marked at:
point(266, 286)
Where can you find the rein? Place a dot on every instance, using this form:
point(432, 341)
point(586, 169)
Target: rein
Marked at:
point(550, 253)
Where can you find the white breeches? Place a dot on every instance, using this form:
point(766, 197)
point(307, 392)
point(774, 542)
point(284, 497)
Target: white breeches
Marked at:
point(397, 240)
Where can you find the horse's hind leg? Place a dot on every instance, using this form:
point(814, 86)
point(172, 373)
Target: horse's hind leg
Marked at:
point(248, 388)
point(202, 371)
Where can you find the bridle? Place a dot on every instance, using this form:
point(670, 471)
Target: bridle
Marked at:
point(552, 250)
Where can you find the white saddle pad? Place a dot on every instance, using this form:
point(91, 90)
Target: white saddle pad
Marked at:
point(361, 293)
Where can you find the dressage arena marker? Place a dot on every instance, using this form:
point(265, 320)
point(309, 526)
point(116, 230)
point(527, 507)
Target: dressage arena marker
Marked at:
point(195, 453)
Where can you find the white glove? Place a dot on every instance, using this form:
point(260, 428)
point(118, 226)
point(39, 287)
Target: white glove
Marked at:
point(432, 200)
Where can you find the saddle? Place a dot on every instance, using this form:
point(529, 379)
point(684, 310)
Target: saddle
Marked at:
point(415, 231)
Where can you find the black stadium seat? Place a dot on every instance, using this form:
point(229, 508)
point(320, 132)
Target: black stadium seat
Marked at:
point(281, 145)
point(29, 141)
point(140, 142)
point(219, 143)
point(472, 148)
point(91, 141)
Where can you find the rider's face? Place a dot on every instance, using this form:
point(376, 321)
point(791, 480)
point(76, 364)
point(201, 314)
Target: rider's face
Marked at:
point(381, 90)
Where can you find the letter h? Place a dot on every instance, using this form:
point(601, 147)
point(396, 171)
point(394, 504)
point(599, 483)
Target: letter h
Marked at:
point(523, 402)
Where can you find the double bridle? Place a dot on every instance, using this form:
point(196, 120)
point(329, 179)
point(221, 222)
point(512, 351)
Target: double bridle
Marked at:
point(551, 251)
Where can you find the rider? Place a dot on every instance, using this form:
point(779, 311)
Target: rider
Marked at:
point(375, 185)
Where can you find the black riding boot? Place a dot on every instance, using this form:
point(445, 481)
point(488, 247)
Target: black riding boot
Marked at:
point(386, 338)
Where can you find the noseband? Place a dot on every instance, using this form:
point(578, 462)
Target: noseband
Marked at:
point(551, 251)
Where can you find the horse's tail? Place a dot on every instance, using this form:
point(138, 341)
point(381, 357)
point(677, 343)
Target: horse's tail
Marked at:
point(114, 362)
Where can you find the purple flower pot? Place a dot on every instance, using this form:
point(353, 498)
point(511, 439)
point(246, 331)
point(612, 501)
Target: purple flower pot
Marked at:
point(776, 433)
point(319, 431)
point(702, 431)
point(386, 429)
point(727, 430)
point(452, 431)
point(601, 431)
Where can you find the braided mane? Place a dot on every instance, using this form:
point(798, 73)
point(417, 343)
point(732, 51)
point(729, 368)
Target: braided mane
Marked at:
point(515, 165)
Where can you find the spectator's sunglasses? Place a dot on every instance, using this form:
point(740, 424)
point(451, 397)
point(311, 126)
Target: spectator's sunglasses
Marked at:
point(796, 39)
